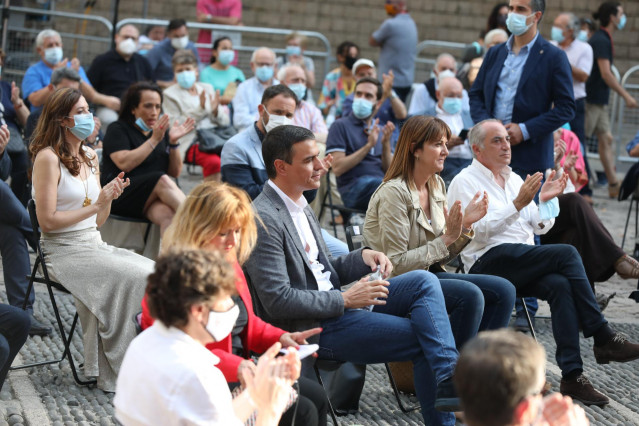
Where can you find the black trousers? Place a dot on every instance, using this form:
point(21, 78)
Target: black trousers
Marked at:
point(311, 405)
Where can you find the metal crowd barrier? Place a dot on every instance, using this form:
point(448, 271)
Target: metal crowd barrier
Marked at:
point(325, 55)
point(19, 42)
point(627, 118)
point(424, 65)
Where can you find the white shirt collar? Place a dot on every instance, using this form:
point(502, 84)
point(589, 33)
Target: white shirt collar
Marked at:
point(177, 334)
point(488, 173)
point(292, 206)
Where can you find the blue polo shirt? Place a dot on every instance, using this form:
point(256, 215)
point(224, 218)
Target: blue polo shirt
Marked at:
point(160, 58)
point(384, 113)
point(347, 135)
point(38, 76)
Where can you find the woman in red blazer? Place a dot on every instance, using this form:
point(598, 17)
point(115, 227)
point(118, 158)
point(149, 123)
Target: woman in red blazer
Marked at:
point(218, 216)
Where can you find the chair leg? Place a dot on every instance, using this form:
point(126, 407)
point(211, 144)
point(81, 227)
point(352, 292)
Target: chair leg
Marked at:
point(625, 229)
point(396, 392)
point(530, 324)
point(330, 406)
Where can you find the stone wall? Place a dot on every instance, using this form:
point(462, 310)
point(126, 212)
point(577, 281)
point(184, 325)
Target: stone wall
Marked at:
point(450, 20)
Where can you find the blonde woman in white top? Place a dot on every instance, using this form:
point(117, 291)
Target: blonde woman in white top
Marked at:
point(107, 283)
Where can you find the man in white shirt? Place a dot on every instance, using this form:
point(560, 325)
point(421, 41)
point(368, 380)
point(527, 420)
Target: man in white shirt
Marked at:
point(564, 33)
point(504, 246)
point(450, 110)
point(249, 93)
point(297, 282)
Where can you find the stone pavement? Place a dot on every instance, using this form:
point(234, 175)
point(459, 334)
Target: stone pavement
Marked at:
point(48, 394)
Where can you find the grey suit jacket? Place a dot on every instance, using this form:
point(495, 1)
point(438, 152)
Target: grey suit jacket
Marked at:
point(283, 287)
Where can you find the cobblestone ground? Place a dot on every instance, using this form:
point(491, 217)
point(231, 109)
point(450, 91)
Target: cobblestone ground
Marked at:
point(48, 394)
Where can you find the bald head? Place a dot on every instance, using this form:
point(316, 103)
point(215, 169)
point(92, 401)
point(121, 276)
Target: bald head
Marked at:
point(445, 61)
point(449, 87)
point(263, 54)
point(292, 74)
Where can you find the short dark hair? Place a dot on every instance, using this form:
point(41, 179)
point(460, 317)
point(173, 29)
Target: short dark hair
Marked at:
point(216, 44)
point(132, 96)
point(605, 11)
point(374, 81)
point(183, 278)
point(279, 89)
point(345, 46)
point(174, 24)
point(538, 6)
point(278, 145)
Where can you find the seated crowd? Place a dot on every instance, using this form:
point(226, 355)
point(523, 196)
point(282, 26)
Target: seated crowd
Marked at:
point(246, 269)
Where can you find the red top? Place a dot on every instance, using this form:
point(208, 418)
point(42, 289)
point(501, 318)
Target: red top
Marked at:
point(257, 336)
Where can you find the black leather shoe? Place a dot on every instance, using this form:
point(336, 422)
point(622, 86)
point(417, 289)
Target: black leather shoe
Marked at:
point(447, 399)
point(38, 329)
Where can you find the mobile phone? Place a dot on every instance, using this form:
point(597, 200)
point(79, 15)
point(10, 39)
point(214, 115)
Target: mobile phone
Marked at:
point(463, 134)
point(304, 350)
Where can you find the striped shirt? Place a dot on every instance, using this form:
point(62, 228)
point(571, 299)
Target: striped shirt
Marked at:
point(310, 117)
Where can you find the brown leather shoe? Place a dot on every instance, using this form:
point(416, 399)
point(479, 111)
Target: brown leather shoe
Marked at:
point(618, 349)
point(627, 267)
point(582, 390)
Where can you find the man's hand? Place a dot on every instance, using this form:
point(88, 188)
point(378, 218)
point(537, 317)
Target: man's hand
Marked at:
point(298, 338)
point(246, 368)
point(631, 102)
point(365, 293)
point(514, 131)
point(454, 219)
point(528, 190)
point(75, 64)
point(112, 102)
point(454, 141)
point(62, 64)
point(373, 134)
point(373, 258)
point(387, 132)
point(387, 84)
point(475, 210)
point(327, 162)
point(552, 187)
point(15, 93)
point(4, 138)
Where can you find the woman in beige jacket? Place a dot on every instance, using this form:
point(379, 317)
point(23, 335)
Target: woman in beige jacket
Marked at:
point(409, 220)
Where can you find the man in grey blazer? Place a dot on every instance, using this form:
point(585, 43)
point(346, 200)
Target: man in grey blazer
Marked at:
point(296, 283)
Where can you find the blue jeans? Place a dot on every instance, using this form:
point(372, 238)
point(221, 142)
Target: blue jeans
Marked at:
point(476, 303)
point(555, 273)
point(14, 330)
point(360, 193)
point(336, 246)
point(15, 226)
point(386, 334)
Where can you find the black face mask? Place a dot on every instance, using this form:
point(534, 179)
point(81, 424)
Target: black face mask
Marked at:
point(349, 61)
point(501, 21)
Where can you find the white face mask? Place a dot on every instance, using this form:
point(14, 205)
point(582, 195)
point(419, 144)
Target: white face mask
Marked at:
point(180, 42)
point(221, 324)
point(127, 47)
point(275, 121)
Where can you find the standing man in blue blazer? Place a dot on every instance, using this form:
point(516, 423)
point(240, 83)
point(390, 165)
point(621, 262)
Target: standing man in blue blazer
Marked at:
point(527, 84)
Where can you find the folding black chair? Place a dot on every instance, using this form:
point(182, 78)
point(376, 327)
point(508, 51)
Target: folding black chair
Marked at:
point(327, 201)
point(44, 279)
point(354, 241)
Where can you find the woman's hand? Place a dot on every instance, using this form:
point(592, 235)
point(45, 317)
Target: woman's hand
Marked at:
point(112, 190)
point(245, 371)
point(454, 219)
point(571, 160)
point(475, 210)
point(179, 130)
point(299, 338)
point(215, 102)
point(203, 99)
point(159, 129)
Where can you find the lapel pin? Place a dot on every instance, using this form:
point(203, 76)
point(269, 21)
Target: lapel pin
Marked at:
point(541, 52)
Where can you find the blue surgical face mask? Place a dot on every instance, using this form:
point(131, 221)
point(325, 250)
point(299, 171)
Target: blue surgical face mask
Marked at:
point(142, 125)
point(362, 108)
point(622, 22)
point(143, 51)
point(53, 55)
point(557, 34)
point(299, 89)
point(226, 57)
point(186, 79)
point(293, 50)
point(583, 35)
point(264, 73)
point(83, 127)
point(452, 105)
point(516, 23)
